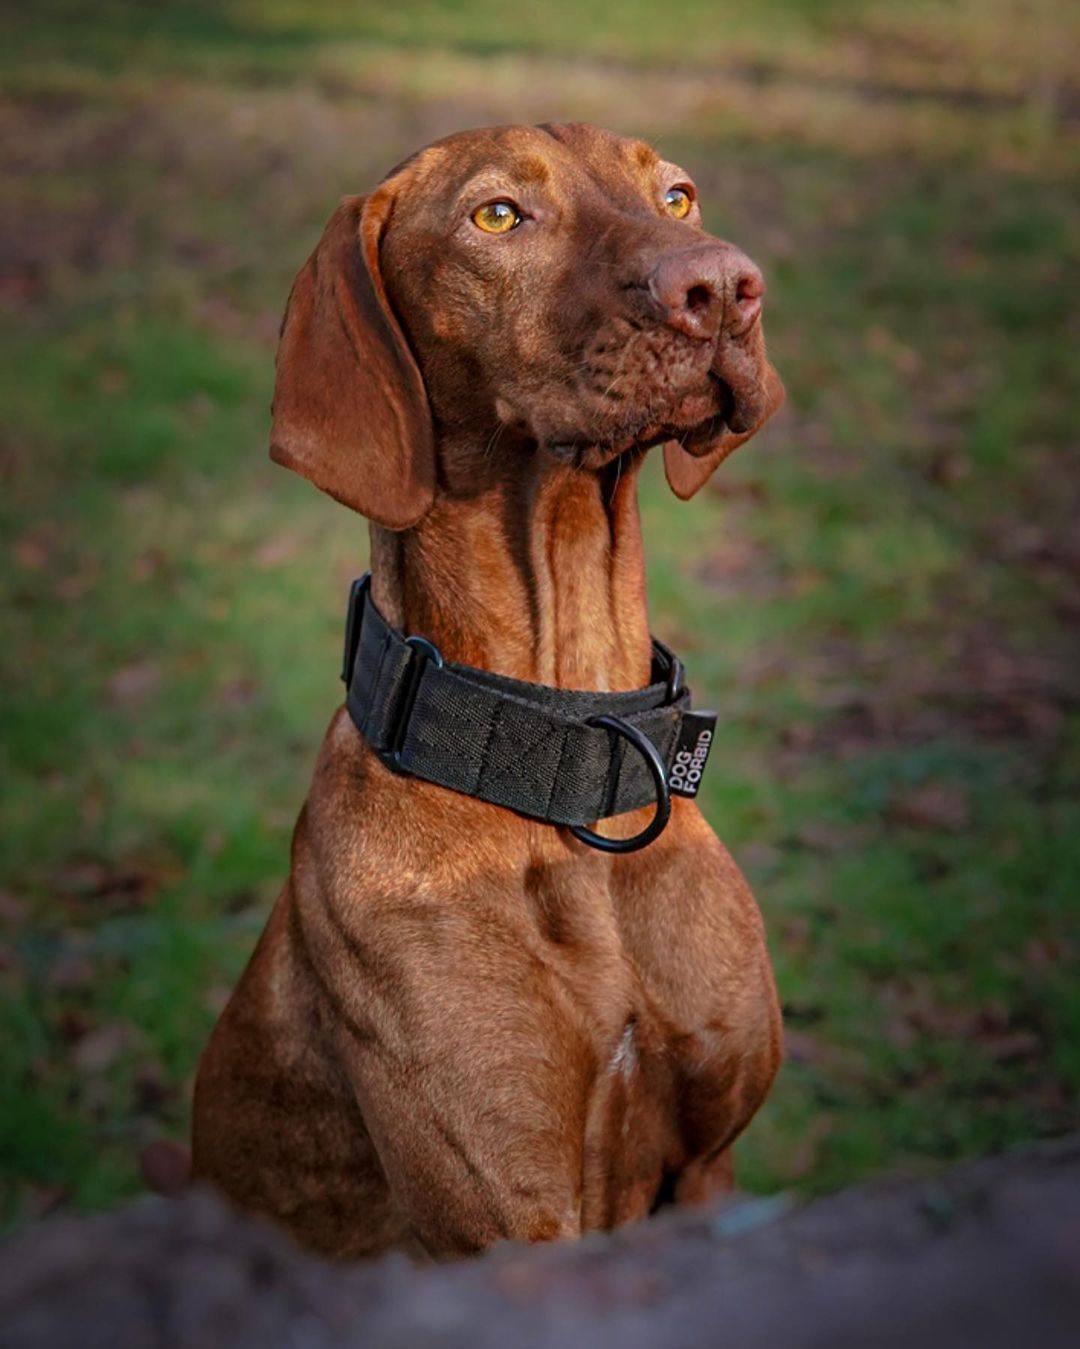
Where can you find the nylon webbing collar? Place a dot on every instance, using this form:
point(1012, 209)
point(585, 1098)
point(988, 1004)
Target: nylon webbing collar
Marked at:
point(524, 746)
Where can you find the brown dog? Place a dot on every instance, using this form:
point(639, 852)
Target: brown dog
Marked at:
point(462, 1024)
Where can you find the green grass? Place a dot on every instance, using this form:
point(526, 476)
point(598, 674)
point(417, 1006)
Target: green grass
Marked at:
point(880, 595)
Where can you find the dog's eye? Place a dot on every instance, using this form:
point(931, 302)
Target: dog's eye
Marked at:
point(677, 202)
point(497, 217)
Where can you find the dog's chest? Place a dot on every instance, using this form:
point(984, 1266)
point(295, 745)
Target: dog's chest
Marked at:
point(636, 1133)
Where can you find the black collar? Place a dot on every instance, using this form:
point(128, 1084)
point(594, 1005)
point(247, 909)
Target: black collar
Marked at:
point(557, 755)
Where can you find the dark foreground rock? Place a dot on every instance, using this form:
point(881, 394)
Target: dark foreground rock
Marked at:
point(987, 1255)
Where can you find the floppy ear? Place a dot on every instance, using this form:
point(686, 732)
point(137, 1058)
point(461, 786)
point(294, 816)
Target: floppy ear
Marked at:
point(350, 411)
point(756, 394)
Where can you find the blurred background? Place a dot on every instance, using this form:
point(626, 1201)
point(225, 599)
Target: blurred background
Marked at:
point(881, 594)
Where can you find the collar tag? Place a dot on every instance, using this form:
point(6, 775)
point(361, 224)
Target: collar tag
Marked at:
point(691, 752)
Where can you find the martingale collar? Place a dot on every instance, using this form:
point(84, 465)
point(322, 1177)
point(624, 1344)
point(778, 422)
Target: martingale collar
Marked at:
point(558, 755)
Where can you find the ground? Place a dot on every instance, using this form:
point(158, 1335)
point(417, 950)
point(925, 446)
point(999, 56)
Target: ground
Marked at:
point(985, 1255)
point(881, 595)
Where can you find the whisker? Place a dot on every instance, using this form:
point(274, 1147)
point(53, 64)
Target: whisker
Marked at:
point(493, 440)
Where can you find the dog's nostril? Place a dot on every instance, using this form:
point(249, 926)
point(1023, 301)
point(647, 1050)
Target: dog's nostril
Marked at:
point(698, 299)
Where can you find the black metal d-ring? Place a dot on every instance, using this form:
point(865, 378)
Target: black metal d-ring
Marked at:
point(655, 764)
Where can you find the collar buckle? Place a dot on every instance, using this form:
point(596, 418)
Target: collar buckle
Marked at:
point(423, 654)
point(354, 616)
point(676, 680)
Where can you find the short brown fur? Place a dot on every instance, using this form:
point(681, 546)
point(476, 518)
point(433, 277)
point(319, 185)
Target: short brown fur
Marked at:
point(461, 1025)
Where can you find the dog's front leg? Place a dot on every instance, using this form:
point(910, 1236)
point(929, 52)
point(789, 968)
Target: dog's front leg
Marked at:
point(473, 1083)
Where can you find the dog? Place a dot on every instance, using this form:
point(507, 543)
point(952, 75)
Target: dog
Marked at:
point(463, 1023)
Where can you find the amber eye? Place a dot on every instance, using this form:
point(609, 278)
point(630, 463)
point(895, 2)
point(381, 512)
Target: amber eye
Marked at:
point(497, 217)
point(677, 202)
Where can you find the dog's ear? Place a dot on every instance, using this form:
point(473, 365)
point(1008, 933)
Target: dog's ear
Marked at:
point(756, 394)
point(350, 411)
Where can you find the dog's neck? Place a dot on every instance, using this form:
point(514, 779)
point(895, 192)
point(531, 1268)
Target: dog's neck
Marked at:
point(537, 573)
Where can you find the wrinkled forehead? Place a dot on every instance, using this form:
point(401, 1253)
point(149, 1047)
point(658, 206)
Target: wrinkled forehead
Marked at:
point(566, 159)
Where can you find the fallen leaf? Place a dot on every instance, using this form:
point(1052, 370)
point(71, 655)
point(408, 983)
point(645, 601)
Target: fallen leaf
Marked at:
point(934, 805)
point(236, 693)
point(1017, 1044)
point(1040, 716)
point(76, 585)
point(729, 559)
point(829, 836)
point(13, 910)
point(1047, 952)
point(148, 565)
point(71, 970)
point(795, 933)
point(165, 1167)
point(899, 1030)
point(805, 1155)
point(73, 1025)
point(101, 1048)
point(802, 1046)
point(20, 285)
point(805, 581)
point(33, 551)
point(798, 735)
point(948, 468)
point(759, 857)
point(122, 886)
point(152, 1088)
point(113, 380)
point(276, 550)
point(916, 1008)
point(728, 490)
point(133, 684)
point(802, 1013)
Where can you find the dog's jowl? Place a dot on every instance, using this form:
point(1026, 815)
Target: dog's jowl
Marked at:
point(514, 986)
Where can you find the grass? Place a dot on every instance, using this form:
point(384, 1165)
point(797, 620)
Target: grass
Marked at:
point(880, 595)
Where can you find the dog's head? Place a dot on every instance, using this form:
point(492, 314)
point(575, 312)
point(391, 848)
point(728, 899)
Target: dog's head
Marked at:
point(524, 290)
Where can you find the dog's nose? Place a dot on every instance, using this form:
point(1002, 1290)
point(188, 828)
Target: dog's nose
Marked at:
point(703, 288)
